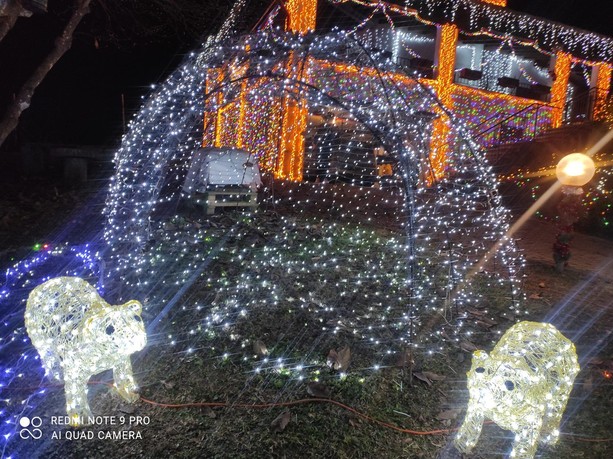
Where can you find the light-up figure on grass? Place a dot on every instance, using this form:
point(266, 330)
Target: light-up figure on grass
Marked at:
point(522, 385)
point(78, 334)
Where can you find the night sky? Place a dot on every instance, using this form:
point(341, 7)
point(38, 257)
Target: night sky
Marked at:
point(80, 101)
point(594, 15)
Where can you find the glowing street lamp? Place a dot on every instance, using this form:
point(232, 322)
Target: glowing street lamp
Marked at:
point(573, 171)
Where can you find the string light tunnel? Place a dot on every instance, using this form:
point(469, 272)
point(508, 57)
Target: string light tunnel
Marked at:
point(355, 116)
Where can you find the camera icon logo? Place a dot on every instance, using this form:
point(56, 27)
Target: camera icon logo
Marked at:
point(30, 427)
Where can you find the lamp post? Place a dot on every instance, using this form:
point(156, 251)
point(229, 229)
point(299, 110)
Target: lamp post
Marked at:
point(573, 171)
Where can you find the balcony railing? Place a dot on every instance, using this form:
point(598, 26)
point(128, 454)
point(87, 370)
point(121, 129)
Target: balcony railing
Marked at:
point(519, 126)
point(505, 85)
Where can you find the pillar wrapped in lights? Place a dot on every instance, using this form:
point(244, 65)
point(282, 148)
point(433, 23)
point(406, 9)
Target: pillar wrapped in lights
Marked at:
point(522, 385)
point(573, 171)
point(77, 334)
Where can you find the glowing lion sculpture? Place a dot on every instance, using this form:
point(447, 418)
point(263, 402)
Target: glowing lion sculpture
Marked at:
point(523, 386)
point(77, 334)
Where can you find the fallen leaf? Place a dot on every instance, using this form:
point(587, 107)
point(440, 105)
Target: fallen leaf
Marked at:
point(536, 296)
point(445, 335)
point(433, 376)
point(317, 389)
point(467, 346)
point(128, 409)
point(332, 358)
point(344, 359)
point(339, 360)
point(280, 422)
point(259, 348)
point(447, 414)
point(489, 321)
point(542, 285)
point(422, 377)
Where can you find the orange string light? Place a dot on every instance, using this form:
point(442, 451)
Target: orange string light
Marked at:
point(301, 15)
point(496, 2)
point(560, 87)
point(603, 85)
point(439, 145)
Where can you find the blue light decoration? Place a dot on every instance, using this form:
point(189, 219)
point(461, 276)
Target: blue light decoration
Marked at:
point(19, 363)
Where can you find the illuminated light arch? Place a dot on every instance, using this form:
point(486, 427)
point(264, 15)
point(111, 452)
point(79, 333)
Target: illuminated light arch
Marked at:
point(391, 106)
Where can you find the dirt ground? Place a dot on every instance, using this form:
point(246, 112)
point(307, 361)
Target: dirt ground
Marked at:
point(589, 253)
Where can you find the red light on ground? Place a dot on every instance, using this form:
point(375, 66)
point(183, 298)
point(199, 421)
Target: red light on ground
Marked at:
point(607, 374)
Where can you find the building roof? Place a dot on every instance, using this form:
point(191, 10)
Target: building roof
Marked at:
point(476, 17)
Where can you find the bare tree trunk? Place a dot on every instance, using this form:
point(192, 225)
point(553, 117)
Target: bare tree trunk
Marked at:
point(23, 98)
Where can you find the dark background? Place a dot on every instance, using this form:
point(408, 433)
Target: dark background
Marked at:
point(80, 100)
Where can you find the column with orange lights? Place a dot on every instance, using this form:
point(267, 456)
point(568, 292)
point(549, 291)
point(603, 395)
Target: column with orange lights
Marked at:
point(447, 37)
point(301, 16)
point(496, 2)
point(212, 120)
point(602, 77)
point(559, 88)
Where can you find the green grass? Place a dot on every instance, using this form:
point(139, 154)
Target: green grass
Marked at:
point(301, 316)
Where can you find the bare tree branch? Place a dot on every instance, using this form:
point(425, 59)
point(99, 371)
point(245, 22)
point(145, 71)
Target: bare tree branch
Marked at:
point(6, 24)
point(115, 22)
point(23, 98)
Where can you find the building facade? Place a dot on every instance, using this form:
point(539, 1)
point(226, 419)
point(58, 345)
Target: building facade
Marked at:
point(502, 76)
